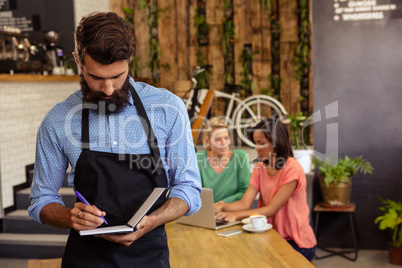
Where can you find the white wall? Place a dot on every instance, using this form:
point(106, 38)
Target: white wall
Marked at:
point(85, 7)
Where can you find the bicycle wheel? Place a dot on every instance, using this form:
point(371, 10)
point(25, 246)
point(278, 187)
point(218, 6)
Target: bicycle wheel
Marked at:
point(251, 112)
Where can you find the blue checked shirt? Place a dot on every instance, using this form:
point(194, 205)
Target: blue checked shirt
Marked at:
point(59, 144)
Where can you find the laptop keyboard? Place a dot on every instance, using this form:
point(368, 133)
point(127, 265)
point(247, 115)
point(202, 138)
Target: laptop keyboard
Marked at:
point(221, 222)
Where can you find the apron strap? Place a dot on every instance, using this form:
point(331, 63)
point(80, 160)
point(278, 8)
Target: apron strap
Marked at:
point(152, 140)
point(85, 129)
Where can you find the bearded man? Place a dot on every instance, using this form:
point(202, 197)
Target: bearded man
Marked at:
point(100, 131)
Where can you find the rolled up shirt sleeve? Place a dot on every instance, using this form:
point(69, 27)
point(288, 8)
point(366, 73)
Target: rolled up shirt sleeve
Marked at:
point(185, 178)
point(49, 171)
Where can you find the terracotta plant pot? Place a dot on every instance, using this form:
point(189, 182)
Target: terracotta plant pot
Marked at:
point(336, 195)
point(395, 254)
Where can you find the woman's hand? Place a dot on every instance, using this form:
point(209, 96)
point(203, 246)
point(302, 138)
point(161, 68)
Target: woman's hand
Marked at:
point(218, 206)
point(227, 216)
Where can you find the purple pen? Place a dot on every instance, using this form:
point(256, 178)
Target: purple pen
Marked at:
point(83, 200)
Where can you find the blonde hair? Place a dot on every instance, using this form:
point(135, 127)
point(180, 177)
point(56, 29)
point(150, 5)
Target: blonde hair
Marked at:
point(212, 124)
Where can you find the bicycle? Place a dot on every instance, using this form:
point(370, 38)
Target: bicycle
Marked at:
point(240, 114)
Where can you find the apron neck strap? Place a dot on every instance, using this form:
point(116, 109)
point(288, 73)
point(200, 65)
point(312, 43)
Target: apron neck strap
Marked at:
point(146, 124)
point(85, 129)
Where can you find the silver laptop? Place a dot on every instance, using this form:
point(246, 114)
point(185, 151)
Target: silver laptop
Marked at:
point(129, 227)
point(205, 217)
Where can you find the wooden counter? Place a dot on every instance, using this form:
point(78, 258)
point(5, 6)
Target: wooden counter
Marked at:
point(198, 247)
point(37, 78)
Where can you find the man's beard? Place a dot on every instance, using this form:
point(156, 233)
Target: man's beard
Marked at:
point(117, 101)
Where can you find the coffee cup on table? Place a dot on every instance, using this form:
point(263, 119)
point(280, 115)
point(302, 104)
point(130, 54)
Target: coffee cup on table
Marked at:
point(258, 221)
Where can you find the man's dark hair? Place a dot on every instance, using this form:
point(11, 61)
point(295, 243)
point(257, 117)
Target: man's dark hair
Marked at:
point(277, 135)
point(105, 37)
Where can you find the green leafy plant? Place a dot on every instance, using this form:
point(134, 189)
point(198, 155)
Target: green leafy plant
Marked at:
point(296, 125)
point(275, 28)
point(201, 25)
point(202, 29)
point(228, 35)
point(69, 63)
point(267, 91)
point(129, 19)
point(266, 4)
point(302, 60)
point(154, 50)
point(343, 170)
point(392, 219)
point(247, 75)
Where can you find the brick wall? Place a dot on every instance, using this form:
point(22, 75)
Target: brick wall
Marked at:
point(23, 106)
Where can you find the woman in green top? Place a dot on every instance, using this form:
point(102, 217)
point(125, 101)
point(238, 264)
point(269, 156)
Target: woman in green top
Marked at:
point(225, 171)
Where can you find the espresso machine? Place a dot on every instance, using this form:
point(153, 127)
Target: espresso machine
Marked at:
point(19, 54)
point(54, 51)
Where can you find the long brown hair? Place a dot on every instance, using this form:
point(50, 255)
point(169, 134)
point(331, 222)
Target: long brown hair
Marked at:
point(277, 135)
point(105, 37)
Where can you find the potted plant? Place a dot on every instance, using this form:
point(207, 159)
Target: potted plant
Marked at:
point(336, 179)
point(69, 64)
point(392, 219)
point(301, 152)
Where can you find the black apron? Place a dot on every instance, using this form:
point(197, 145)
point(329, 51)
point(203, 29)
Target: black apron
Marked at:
point(118, 184)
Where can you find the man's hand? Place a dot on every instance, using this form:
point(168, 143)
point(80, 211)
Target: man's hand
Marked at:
point(146, 225)
point(84, 217)
point(173, 209)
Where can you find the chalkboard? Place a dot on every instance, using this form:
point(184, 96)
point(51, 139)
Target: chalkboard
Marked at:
point(37, 16)
point(357, 67)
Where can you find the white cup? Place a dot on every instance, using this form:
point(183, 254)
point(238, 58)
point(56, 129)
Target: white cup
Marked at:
point(258, 221)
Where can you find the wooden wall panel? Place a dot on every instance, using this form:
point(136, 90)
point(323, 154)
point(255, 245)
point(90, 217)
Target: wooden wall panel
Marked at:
point(265, 36)
point(178, 44)
point(214, 16)
point(261, 68)
point(242, 21)
point(288, 19)
point(290, 87)
point(142, 37)
point(167, 43)
point(117, 6)
point(182, 37)
point(192, 58)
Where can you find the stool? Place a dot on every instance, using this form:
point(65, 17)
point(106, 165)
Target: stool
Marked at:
point(320, 208)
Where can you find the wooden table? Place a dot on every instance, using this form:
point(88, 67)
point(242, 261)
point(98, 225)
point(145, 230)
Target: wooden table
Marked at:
point(191, 246)
point(196, 247)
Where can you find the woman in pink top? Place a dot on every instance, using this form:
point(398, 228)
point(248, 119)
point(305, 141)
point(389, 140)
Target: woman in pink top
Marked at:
point(281, 182)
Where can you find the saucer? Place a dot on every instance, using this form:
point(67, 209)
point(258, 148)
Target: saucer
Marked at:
point(248, 228)
point(246, 221)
